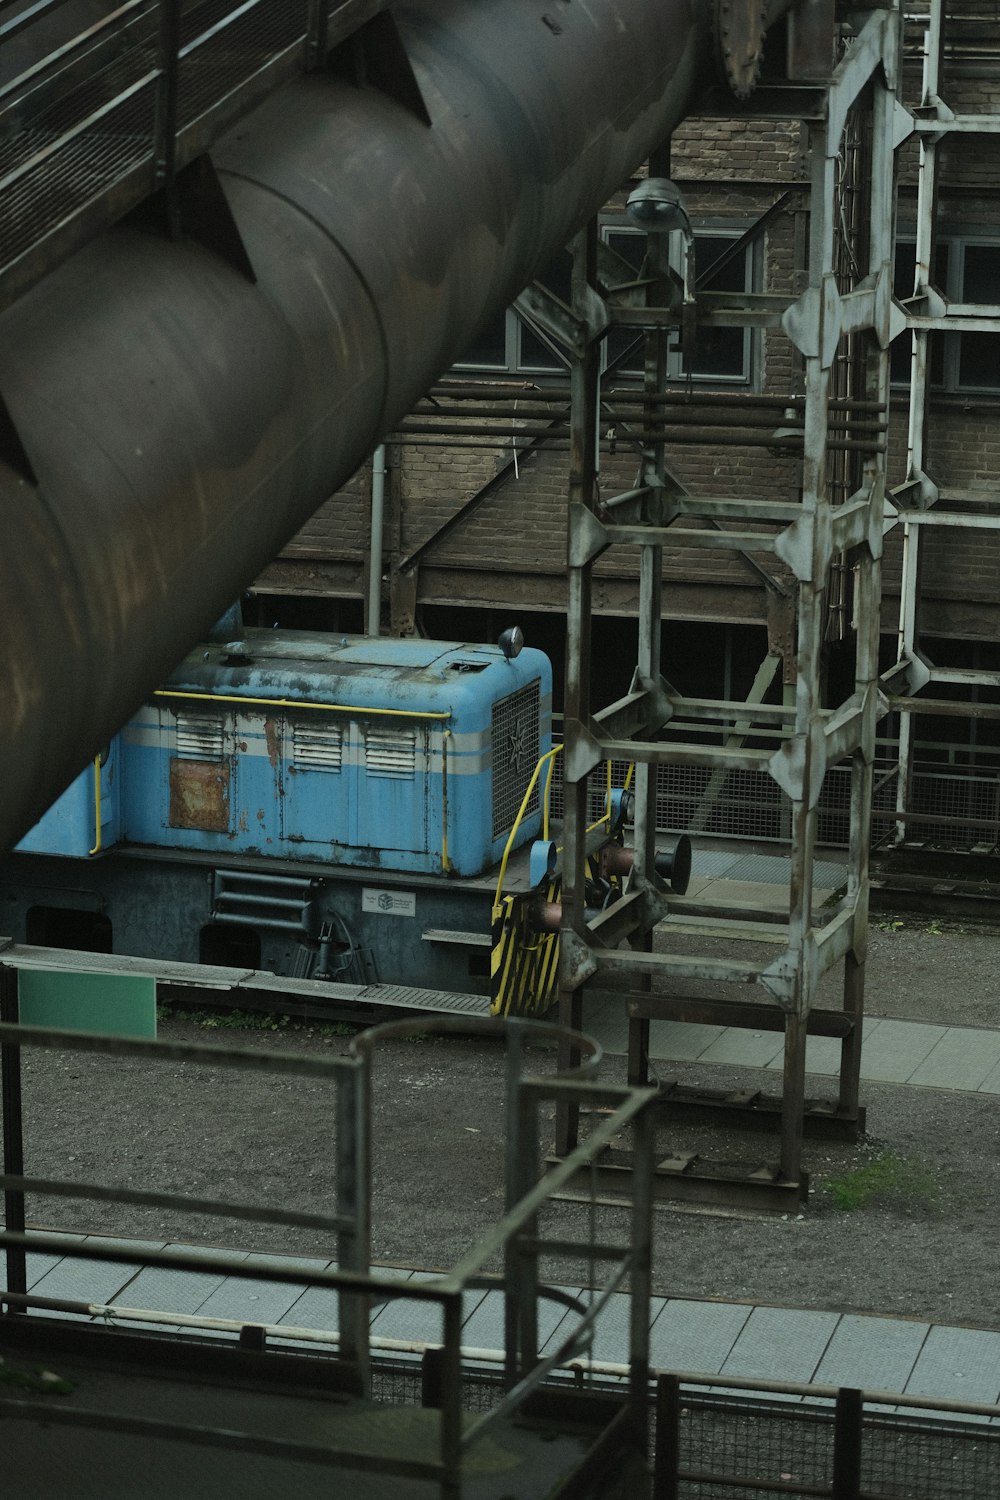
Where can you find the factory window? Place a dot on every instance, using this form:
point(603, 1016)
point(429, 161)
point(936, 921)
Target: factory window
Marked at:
point(510, 345)
point(966, 269)
point(722, 355)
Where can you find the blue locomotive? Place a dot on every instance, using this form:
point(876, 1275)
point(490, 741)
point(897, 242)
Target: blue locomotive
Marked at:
point(304, 804)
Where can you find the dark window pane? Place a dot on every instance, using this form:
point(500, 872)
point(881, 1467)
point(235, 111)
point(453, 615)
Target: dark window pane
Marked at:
point(623, 346)
point(981, 278)
point(490, 348)
point(631, 247)
point(979, 362)
point(720, 352)
point(901, 347)
point(558, 276)
point(900, 353)
point(712, 274)
point(625, 342)
point(536, 355)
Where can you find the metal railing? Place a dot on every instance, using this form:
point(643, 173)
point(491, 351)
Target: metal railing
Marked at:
point(92, 127)
point(518, 1237)
point(954, 799)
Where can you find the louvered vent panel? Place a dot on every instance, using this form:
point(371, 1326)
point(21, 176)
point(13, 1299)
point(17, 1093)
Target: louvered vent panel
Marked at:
point(318, 746)
point(515, 755)
point(391, 752)
point(200, 736)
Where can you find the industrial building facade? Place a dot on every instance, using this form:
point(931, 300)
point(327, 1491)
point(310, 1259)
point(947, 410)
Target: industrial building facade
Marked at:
point(476, 481)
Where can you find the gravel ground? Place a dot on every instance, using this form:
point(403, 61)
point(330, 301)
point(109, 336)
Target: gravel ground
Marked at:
point(923, 1246)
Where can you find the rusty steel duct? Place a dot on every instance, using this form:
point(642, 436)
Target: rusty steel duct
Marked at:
point(182, 421)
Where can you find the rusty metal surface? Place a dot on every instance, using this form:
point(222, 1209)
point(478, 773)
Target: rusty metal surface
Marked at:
point(183, 423)
point(199, 795)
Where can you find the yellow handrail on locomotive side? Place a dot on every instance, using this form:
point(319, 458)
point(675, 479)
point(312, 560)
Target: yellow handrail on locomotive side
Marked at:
point(97, 806)
point(549, 757)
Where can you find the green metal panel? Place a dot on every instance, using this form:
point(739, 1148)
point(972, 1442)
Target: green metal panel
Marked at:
point(109, 1004)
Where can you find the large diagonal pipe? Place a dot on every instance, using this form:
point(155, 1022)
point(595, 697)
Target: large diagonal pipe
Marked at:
point(183, 422)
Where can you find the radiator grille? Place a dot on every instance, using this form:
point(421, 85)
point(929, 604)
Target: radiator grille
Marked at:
point(515, 755)
point(320, 747)
point(200, 736)
point(391, 752)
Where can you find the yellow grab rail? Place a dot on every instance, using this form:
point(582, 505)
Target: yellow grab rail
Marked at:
point(547, 758)
point(333, 708)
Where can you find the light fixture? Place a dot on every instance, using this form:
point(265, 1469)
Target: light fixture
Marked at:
point(511, 642)
point(657, 206)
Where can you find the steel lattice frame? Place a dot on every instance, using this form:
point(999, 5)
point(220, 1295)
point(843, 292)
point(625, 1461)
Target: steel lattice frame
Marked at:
point(807, 537)
point(920, 500)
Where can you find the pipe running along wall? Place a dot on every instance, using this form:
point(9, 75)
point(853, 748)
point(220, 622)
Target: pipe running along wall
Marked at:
point(184, 422)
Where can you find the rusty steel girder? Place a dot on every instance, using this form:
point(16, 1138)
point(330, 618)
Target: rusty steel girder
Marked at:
point(176, 423)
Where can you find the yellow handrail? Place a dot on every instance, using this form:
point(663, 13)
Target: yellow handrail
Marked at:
point(548, 756)
point(333, 708)
point(97, 806)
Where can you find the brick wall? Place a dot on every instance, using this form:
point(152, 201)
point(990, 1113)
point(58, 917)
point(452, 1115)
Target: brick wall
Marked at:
point(510, 549)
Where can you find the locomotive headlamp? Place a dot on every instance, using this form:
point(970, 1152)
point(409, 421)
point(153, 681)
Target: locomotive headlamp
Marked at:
point(511, 642)
point(657, 206)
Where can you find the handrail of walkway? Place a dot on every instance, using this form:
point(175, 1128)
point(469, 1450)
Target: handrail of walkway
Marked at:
point(94, 122)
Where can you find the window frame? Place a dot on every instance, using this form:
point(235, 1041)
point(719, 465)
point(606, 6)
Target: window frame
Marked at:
point(515, 364)
point(956, 243)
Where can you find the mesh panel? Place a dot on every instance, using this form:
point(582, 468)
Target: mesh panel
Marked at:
point(906, 1460)
point(223, 59)
point(78, 170)
point(967, 799)
point(515, 755)
point(776, 1446)
point(744, 1448)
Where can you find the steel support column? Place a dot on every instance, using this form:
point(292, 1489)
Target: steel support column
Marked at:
point(841, 316)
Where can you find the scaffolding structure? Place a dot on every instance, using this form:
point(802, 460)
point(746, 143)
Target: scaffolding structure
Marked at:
point(845, 316)
point(924, 501)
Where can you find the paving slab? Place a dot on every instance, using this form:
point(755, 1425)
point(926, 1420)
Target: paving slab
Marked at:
point(963, 1059)
point(159, 1290)
point(87, 1280)
point(696, 1335)
point(778, 1343)
point(959, 1364)
point(485, 1330)
point(897, 1049)
point(316, 1307)
point(990, 1084)
point(875, 1354)
point(407, 1319)
point(256, 1300)
point(748, 1049)
point(676, 1041)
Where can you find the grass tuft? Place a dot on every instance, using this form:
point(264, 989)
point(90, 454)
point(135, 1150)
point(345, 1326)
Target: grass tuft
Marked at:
point(888, 1179)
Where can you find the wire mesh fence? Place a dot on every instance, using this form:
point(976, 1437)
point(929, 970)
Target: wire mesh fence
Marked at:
point(948, 804)
point(742, 1446)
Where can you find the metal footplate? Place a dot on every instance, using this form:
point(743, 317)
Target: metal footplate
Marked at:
point(822, 1119)
point(688, 1179)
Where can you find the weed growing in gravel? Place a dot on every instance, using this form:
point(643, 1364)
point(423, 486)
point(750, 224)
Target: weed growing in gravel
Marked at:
point(229, 1020)
point(888, 1179)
